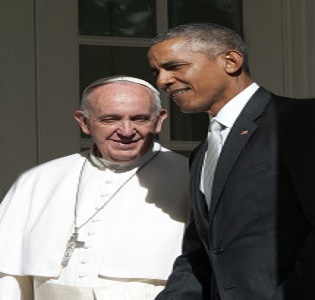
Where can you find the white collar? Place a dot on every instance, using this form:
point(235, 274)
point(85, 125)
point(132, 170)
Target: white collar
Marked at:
point(103, 163)
point(231, 110)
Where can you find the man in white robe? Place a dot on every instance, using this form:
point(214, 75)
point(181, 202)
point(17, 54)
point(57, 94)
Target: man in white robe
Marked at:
point(102, 224)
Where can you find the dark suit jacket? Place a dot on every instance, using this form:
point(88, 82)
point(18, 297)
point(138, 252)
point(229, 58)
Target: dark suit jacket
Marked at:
point(257, 242)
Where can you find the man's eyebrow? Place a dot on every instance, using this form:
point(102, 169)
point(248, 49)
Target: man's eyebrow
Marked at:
point(170, 63)
point(144, 115)
point(167, 65)
point(102, 116)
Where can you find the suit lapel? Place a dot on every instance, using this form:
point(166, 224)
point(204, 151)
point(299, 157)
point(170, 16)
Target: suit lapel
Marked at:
point(196, 168)
point(241, 132)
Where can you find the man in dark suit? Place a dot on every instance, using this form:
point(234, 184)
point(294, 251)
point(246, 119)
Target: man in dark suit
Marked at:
point(252, 236)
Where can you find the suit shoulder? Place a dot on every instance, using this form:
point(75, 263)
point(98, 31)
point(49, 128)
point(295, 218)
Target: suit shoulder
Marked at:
point(287, 105)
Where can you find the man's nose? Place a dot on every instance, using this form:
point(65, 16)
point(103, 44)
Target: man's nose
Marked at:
point(164, 79)
point(126, 128)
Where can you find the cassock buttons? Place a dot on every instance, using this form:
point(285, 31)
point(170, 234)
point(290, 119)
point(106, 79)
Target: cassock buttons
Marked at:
point(85, 261)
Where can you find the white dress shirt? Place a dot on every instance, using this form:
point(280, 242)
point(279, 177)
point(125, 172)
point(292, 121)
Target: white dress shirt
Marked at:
point(228, 115)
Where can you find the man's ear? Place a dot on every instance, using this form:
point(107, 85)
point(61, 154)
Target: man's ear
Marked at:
point(233, 61)
point(162, 116)
point(82, 120)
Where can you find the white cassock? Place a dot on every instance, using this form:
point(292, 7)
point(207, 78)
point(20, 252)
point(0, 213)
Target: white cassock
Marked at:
point(131, 237)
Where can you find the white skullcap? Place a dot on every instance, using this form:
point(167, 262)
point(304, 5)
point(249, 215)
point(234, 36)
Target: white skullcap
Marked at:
point(120, 78)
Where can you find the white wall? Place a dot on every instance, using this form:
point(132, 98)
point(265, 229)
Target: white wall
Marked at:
point(57, 78)
point(281, 39)
point(18, 139)
point(38, 84)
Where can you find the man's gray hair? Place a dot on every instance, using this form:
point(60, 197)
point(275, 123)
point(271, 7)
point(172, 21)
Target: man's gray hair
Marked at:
point(120, 78)
point(212, 39)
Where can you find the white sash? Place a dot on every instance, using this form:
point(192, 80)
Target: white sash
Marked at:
point(117, 291)
point(49, 291)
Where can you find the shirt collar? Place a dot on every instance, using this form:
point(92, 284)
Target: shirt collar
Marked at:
point(232, 109)
point(102, 163)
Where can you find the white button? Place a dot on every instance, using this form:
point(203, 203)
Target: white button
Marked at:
point(91, 233)
point(86, 246)
point(108, 181)
point(83, 275)
point(85, 261)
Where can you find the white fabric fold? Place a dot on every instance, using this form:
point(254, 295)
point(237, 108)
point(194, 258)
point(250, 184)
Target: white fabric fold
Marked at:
point(41, 220)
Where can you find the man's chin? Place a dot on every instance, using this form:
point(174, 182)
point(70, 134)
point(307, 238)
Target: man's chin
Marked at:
point(125, 156)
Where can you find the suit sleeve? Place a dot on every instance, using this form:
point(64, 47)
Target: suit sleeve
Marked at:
point(301, 167)
point(191, 276)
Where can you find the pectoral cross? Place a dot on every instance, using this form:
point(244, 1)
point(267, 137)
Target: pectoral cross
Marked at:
point(71, 245)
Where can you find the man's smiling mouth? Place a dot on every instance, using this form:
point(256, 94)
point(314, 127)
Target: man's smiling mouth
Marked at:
point(179, 92)
point(126, 142)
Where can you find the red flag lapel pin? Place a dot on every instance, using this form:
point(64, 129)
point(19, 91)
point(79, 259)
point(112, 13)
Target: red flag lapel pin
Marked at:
point(244, 132)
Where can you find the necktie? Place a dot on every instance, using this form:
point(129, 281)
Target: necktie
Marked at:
point(213, 152)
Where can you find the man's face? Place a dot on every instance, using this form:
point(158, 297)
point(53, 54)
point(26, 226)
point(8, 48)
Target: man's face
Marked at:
point(122, 120)
point(196, 82)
